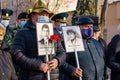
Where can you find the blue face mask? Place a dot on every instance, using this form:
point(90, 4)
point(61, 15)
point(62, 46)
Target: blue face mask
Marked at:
point(43, 19)
point(87, 33)
point(22, 24)
point(61, 25)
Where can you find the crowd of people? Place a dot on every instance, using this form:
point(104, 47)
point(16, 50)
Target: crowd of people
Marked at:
point(19, 59)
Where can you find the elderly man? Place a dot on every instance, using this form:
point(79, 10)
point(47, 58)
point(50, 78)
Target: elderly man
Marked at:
point(91, 60)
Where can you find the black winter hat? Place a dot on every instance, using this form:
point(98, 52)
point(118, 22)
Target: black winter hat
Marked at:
point(84, 20)
point(22, 15)
point(96, 28)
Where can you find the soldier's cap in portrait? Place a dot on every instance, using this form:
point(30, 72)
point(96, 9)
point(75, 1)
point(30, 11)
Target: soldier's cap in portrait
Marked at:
point(61, 17)
point(6, 13)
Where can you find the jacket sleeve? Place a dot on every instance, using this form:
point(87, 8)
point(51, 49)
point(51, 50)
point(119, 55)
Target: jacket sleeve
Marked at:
point(111, 57)
point(66, 68)
point(13, 73)
point(60, 53)
point(19, 56)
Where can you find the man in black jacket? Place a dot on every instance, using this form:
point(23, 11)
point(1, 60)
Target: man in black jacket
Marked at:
point(25, 51)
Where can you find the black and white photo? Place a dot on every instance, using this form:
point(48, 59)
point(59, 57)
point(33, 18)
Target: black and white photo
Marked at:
point(44, 31)
point(72, 38)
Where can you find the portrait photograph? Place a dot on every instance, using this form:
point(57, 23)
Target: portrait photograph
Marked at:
point(72, 39)
point(44, 31)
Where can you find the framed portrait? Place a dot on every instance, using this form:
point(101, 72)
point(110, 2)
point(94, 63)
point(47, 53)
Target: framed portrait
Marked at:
point(72, 39)
point(45, 45)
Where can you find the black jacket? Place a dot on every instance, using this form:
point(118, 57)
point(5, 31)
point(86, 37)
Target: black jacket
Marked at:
point(25, 53)
point(113, 57)
point(7, 71)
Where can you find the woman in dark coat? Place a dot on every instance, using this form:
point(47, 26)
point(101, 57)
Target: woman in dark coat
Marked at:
point(25, 51)
point(7, 71)
point(113, 57)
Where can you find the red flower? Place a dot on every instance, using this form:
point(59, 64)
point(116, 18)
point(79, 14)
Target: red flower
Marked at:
point(55, 38)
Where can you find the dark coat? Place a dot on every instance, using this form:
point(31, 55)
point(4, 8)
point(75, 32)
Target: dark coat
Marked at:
point(56, 32)
point(104, 47)
point(91, 62)
point(113, 57)
point(7, 71)
point(25, 53)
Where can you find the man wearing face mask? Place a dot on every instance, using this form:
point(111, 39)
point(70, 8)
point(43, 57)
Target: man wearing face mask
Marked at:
point(6, 16)
point(25, 52)
point(60, 20)
point(91, 60)
point(22, 19)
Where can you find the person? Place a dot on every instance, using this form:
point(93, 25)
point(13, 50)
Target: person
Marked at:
point(7, 71)
point(25, 52)
point(60, 20)
point(113, 58)
point(21, 20)
point(5, 21)
point(91, 60)
point(96, 32)
point(96, 35)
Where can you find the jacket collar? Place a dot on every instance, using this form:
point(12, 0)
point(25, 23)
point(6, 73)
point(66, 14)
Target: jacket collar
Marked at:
point(30, 25)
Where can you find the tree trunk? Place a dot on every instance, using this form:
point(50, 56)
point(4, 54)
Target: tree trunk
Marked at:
point(102, 18)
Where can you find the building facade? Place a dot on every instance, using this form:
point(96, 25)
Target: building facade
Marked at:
point(112, 20)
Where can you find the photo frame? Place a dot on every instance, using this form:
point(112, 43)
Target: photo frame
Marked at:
point(72, 38)
point(44, 31)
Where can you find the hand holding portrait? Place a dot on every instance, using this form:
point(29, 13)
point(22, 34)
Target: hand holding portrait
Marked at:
point(53, 64)
point(44, 67)
point(77, 72)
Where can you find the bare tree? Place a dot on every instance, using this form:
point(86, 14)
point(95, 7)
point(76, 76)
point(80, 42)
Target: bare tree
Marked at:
point(102, 18)
point(91, 8)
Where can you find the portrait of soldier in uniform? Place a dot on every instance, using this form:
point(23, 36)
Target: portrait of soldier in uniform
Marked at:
point(44, 31)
